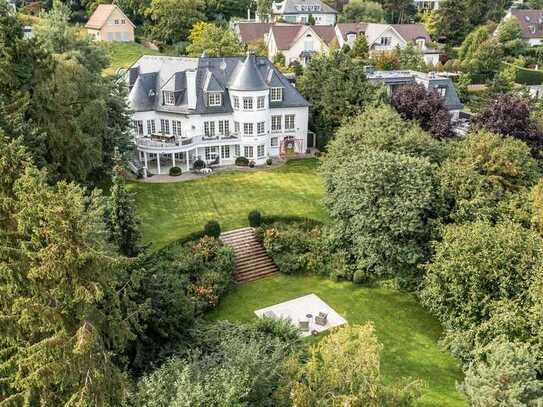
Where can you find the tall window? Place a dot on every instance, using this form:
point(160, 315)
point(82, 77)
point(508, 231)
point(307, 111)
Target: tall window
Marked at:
point(260, 151)
point(211, 153)
point(260, 127)
point(165, 126)
point(248, 129)
point(236, 102)
point(261, 102)
point(209, 129)
point(274, 142)
point(168, 97)
point(386, 41)
point(225, 152)
point(236, 127)
point(247, 103)
point(176, 127)
point(308, 43)
point(214, 99)
point(276, 123)
point(138, 127)
point(248, 151)
point(276, 94)
point(289, 122)
point(151, 126)
point(237, 150)
point(224, 127)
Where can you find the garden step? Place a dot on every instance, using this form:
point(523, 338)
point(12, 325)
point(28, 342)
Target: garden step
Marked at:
point(252, 261)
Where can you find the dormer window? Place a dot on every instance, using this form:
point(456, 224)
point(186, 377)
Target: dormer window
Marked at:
point(421, 42)
point(214, 98)
point(276, 94)
point(168, 97)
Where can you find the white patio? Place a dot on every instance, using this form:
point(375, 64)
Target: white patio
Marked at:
point(305, 308)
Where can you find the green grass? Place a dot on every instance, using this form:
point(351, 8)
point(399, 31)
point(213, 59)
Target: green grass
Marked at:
point(170, 211)
point(409, 334)
point(124, 54)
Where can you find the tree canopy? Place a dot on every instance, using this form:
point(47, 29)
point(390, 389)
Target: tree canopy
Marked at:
point(215, 41)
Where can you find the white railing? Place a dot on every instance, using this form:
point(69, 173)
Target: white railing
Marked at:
point(181, 143)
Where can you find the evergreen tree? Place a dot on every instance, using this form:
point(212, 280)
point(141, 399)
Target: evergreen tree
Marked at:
point(122, 220)
point(360, 47)
point(60, 308)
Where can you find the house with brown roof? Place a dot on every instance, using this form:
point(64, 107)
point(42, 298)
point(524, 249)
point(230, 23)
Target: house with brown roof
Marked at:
point(531, 22)
point(109, 23)
point(250, 32)
point(386, 37)
point(299, 42)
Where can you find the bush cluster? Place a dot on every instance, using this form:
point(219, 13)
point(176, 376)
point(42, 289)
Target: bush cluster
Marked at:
point(175, 171)
point(212, 228)
point(242, 162)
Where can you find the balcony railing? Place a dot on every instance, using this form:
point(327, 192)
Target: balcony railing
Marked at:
point(175, 143)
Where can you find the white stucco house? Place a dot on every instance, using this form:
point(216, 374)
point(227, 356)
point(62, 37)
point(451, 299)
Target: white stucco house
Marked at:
point(298, 11)
point(531, 22)
point(299, 42)
point(386, 37)
point(427, 4)
point(213, 109)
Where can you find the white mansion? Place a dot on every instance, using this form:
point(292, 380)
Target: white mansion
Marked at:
point(213, 109)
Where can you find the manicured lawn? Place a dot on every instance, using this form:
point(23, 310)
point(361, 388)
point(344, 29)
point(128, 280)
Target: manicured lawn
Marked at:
point(408, 333)
point(124, 54)
point(170, 211)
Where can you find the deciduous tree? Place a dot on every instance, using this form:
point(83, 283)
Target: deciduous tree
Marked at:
point(215, 41)
point(357, 11)
point(171, 20)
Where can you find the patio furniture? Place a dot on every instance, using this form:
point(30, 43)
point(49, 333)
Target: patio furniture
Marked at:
point(303, 325)
point(206, 171)
point(269, 314)
point(321, 319)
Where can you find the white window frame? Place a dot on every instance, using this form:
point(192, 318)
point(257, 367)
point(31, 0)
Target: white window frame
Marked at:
point(164, 126)
point(274, 142)
point(261, 151)
point(248, 129)
point(237, 150)
point(247, 103)
point(386, 41)
point(224, 127)
point(236, 127)
point(261, 102)
point(211, 152)
point(176, 128)
point(276, 123)
point(151, 126)
point(442, 91)
point(209, 129)
point(235, 102)
point(248, 151)
point(260, 128)
point(225, 152)
point(290, 122)
point(138, 127)
point(168, 97)
point(276, 94)
point(214, 99)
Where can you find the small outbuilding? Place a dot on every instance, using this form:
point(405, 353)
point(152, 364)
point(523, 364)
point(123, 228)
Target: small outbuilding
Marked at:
point(109, 23)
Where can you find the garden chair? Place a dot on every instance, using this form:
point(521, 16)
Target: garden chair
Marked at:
point(321, 319)
point(303, 325)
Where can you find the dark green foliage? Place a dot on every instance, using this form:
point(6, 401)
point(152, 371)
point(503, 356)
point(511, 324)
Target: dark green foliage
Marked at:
point(242, 161)
point(360, 277)
point(178, 283)
point(337, 88)
point(255, 218)
point(527, 76)
point(212, 228)
point(198, 164)
point(251, 164)
point(122, 220)
point(175, 171)
point(232, 365)
point(269, 161)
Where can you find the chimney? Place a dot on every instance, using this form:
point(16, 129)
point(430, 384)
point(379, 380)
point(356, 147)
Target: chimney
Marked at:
point(191, 89)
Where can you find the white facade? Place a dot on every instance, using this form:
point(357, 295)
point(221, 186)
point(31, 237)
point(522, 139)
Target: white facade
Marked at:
point(299, 11)
point(427, 4)
point(307, 43)
point(320, 19)
point(258, 126)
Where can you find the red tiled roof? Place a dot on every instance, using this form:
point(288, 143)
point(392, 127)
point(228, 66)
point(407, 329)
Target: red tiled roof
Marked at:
point(326, 32)
point(285, 35)
point(410, 32)
point(346, 28)
point(531, 22)
point(250, 32)
point(101, 14)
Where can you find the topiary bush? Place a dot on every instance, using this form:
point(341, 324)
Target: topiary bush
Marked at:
point(242, 162)
point(255, 218)
point(175, 171)
point(251, 164)
point(199, 164)
point(360, 277)
point(212, 228)
point(269, 161)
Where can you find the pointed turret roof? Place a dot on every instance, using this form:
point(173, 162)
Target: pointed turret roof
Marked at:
point(247, 77)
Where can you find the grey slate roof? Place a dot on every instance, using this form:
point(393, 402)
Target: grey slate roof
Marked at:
point(290, 7)
point(150, 75)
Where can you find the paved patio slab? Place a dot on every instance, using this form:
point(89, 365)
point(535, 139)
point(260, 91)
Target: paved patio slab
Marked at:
point(296, 310)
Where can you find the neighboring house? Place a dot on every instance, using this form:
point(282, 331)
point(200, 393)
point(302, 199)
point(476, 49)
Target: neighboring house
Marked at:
point(214, 109)
point(298, 11)
point(427, 4)
point(386, 37)
point(443, 85)
point(531, 22)
point(299, 42)
point(109, 23)
point(249, 32)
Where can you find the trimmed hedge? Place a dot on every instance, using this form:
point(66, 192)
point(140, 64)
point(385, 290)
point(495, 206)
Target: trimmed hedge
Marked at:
point(175, 171)
point(255, 218)
point(527, 76)
point(242, 162)
point(212, 228)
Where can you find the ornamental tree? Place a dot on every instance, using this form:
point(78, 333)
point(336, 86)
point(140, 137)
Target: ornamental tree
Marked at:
point(362, 10)
point(215, 41)
point(509, 35)
point(383, 205)
point(509, 114)
point(483, 170)
point(414, 102)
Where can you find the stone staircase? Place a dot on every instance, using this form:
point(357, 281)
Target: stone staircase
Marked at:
point(252, 261)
